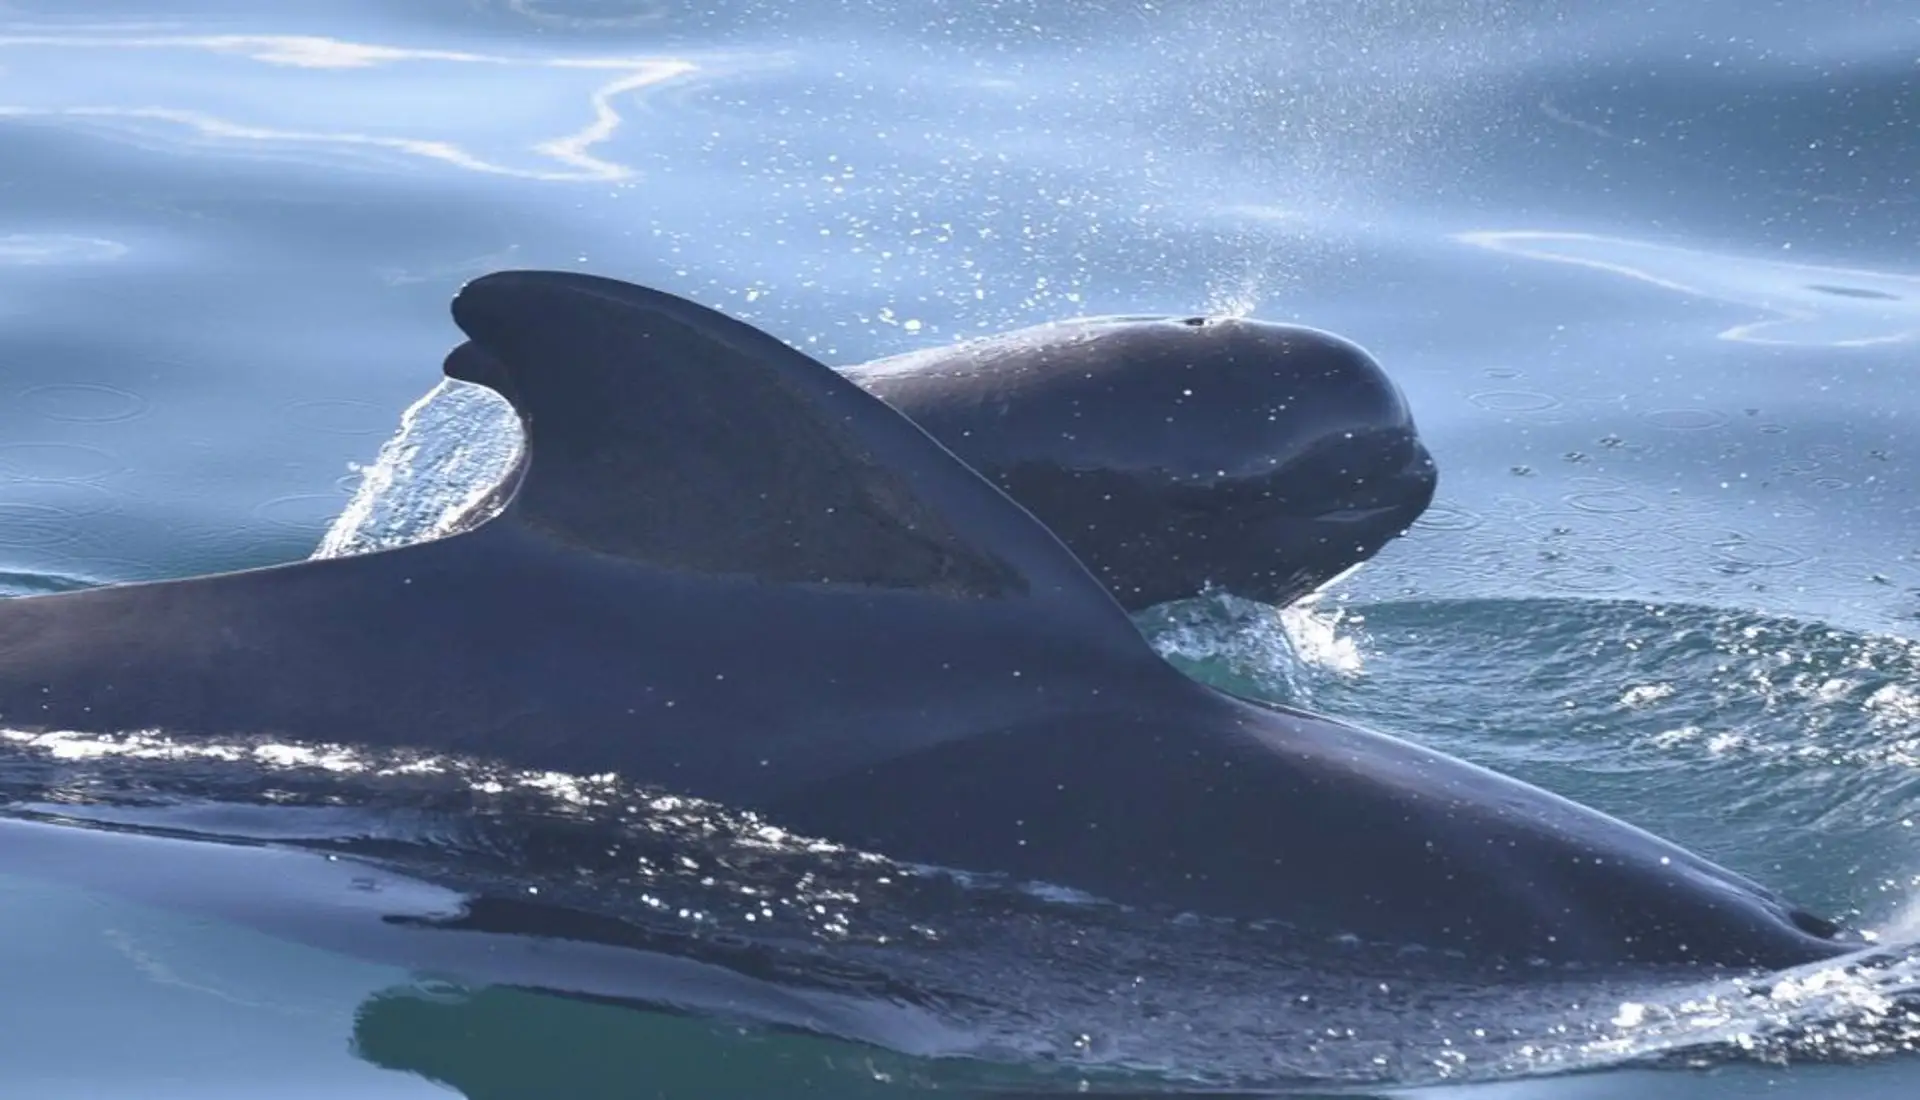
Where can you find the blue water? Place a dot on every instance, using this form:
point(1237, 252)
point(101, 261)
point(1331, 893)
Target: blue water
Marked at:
point(1647, 276)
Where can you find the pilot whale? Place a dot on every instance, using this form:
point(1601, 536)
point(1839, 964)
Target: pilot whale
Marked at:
point(724, 570)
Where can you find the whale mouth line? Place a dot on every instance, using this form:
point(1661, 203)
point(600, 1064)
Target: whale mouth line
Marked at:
point(1358, 515)
point(1400, 496)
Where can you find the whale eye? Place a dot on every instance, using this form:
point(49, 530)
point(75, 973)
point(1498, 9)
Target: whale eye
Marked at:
point(1813, 925)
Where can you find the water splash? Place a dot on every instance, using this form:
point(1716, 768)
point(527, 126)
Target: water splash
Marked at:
point(1317, 639)
point(454, 446)
point(1256, 649)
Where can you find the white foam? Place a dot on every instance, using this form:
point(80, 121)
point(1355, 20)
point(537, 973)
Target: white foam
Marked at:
point(1316, 640)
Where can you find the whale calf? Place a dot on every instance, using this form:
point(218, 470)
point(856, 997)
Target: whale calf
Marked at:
point(1173, 455)
point(726, 571)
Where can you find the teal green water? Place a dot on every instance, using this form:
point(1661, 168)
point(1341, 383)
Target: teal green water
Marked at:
point(1646, 276)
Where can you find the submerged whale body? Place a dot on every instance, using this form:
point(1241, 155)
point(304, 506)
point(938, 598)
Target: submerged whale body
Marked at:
point(726, 571)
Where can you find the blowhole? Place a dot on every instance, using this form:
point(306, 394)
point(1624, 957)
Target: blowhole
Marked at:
point(1195, 322)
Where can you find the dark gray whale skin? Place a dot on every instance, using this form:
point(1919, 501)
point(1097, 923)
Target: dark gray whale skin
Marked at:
point(729, 572)
point(1174, 455)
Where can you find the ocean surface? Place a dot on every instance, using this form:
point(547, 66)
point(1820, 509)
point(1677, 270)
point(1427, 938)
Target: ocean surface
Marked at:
point(1648, 274)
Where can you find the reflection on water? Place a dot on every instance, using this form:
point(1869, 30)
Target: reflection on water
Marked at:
point(1811, 304)
point(345, 106)
point(34, 249)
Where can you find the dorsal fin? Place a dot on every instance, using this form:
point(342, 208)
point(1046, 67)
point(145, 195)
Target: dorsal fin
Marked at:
point(662, 431)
